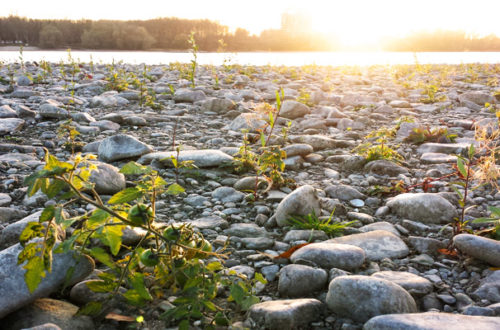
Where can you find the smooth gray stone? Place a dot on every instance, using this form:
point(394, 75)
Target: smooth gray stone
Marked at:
point(293, 109)
point(245, 230)
point(10, 125)
point(482, 248)
point(377, 244)
point(10, 234)
point(385, 167)
point(122, 146)
point(220, 106)
point(331, 255)
point(107, 178)
point(200, 158)
point(13, 289)
point(258, 243)
point(443, 148)
point(437, 158)
point(305, 235)
point(301, 201)
point(423, 207)
point(414, 284)
point(363, 297)
point(285, 314)
point(489, 288)
point(228, 194)
point(432, 321)
point(300, 280)
point(189, 96)
point(381, 225)
point(321, 142)
point(7, 112)
point(46, 310)
point(210, 222)
point(344, 192)
point(249, 121)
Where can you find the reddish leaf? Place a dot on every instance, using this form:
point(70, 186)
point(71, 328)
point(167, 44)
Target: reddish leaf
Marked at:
point(118, 317)
point(287, 254)
point(452, 253)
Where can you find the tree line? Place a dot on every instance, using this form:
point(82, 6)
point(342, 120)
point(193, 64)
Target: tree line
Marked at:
point(173, 34)
point(160, 33)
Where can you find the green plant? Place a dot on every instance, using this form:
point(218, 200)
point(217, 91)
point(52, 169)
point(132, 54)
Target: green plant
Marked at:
point(311, 221)
point(430, 93)
point(166, 261)
point(74, 68)
point(420, 135)
point(194, 63)
point(494, 219)
point(305, 98)
point(68, 132)
point(118, 79)
point(382, 149)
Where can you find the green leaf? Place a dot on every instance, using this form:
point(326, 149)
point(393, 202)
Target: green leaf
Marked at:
point(34, 272)
point(92, 308)
point(102, 256)
point(32, 230)
point(184, 325)
point(175, 189)
point(113, 236)
point(125, 196)
point(260, 278)
point(210, 305)
point(174, 161)
point(214, 266)
point(495, 211)
point(472, 151)
point(159, 182)
point(248, 302)
point(29, 251)
point(262, 139)
point(47, 214)
point(455, 189)
point(193, 282)
point(484, 220)
point(54, 188)
point(461, 167)
point(237, 293)
point(59, 215)
point(133, 297)
point(137, 281)
point(97, 218)
point(221, 320)
point(101, 286)
point(278, 99)
point(133, 168)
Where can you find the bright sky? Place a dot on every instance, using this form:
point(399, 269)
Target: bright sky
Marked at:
point(354, 21)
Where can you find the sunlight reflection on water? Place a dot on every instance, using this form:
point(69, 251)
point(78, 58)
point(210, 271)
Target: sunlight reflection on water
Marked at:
point(261, 58)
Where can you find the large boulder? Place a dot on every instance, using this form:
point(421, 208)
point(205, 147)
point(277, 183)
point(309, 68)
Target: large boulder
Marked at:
point(107, 179)
point(285, 314)
point(377, 244)
point(362, 297)
point(13, 290)
point(122, 146)
point(200, 158)
point(414, 284)
point(423, 207)
point(330, 255)
point(293, 109)
point(300, 280)
point(432, 321)
point(301, 201)
point(482, 248)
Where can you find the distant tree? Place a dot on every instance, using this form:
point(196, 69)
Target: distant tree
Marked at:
point(50, 36)
point(99, 36)
point(132, 37)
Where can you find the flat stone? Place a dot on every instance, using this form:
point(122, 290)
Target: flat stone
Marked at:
point(10, 125)
point(258, 243)
point(298, 149)
point(414, 284)
point(385, 167)
point(245, 230)
point(285, 314)
point(381, 225)
point(301, 280)
point(426, 245)
point(13, 289)
point(5, 199)
point(228, 194)
point(247, 121)
point(188, 96)
point(426, 108)
point(432, 321)
point(344, 192)
point(331, 255)
point(378, 244)
point(210, 222)
point(301, 201)
point(7, 112)
point(322, 142)
point(200, 158)
point(220, 106)
point(10, 234)
point(360, 298)
point(482, 248)
point(122, 146)
point(423, 207)
point(52, 110)
point(443, 148)
point(305, 235)
point(437, 158)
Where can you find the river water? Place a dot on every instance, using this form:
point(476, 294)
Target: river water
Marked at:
point(260, 58)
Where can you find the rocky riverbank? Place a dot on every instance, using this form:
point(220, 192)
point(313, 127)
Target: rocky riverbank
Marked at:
point(397, 265)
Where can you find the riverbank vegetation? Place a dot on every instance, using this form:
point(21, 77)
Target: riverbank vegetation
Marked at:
point(172, 34)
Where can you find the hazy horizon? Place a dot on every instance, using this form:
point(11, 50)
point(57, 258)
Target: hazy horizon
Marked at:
point(358, 22)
